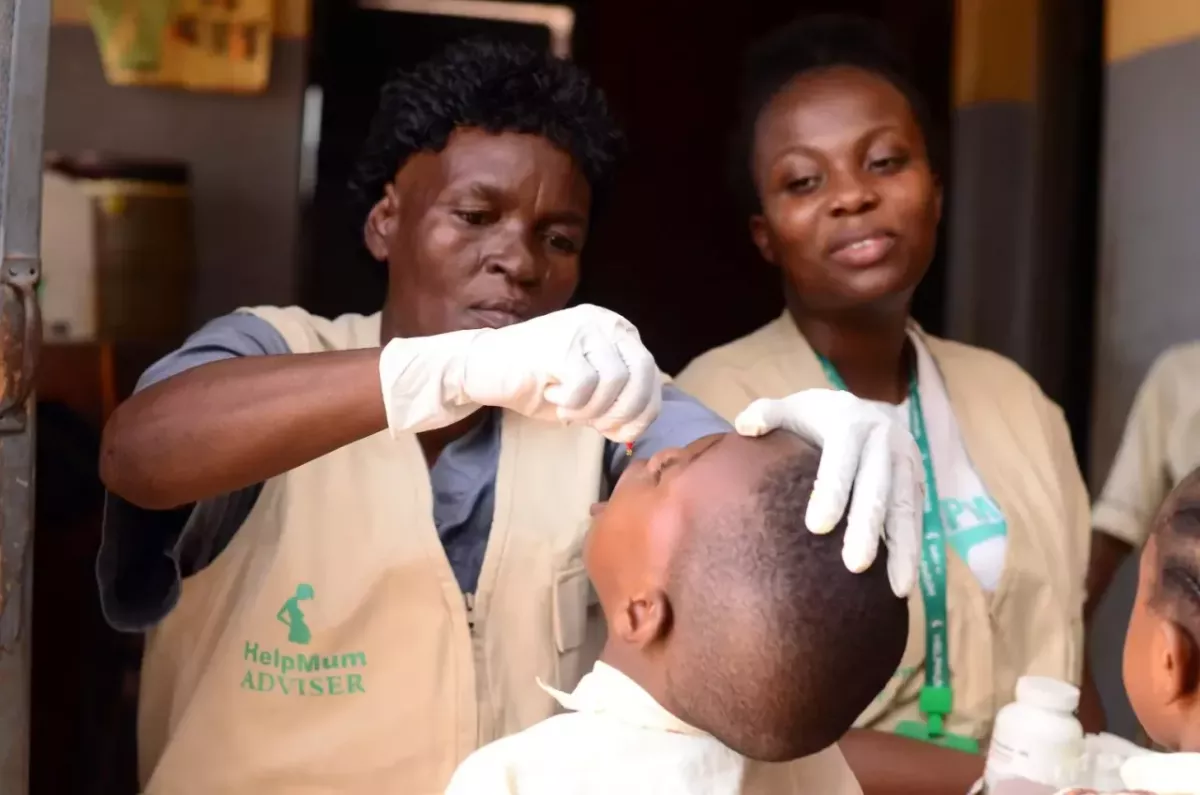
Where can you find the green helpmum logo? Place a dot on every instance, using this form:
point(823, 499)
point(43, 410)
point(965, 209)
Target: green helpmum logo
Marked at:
point(293, 617)
point(285, 672)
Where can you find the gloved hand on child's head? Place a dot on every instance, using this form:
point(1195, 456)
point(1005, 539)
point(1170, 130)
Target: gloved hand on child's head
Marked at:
point(863, 447)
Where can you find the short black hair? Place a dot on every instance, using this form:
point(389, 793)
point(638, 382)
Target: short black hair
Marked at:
point(1177, 539)
point(495, 86)
point(814, 43)
point(780, 648)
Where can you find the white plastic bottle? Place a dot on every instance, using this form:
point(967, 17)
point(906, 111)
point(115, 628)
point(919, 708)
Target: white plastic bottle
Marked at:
point(1037, 737)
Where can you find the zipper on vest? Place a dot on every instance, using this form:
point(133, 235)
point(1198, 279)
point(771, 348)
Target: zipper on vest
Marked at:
point(469, 598)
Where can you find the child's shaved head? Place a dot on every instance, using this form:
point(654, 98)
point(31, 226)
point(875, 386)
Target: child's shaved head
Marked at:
point(755, 629)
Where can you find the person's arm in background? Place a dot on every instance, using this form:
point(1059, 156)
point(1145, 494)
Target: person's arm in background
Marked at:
point(888, 764)
point(1107, 554)
point(1137, 483)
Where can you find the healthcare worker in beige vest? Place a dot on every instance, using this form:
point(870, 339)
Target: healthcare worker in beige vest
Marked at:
point(356, 543)
point(845, 202)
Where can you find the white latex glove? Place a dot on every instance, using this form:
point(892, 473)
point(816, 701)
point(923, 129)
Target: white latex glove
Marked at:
point(861, 446)
point(583, 365)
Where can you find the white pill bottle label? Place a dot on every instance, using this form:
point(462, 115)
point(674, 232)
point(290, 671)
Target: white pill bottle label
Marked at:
point(1037, 738)
point(1047, 766)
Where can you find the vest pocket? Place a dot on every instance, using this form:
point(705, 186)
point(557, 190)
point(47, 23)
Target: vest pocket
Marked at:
point(579, 629)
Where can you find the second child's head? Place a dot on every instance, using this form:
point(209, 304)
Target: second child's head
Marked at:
point(1162, 648)
point(728, 610)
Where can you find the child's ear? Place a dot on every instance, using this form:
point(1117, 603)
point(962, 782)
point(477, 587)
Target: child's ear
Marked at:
point(645, 619)
point(1177, 672)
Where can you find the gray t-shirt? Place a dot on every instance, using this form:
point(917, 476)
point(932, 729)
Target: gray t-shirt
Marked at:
point(144, 555)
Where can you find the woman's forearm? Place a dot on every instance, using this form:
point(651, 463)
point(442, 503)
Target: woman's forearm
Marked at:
point(888, 764)
point(226, 425)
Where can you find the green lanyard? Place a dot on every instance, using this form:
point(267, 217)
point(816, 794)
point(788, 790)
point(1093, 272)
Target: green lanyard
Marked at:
point(937, 696)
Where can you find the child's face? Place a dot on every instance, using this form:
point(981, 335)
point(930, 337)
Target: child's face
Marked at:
point(1139, 667)
point(1158, 662)
point(633, 536)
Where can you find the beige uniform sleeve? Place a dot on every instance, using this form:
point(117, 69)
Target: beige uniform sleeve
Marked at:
point(1138, 480)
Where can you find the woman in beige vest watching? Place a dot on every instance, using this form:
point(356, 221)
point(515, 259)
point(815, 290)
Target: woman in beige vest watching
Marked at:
point(355, 544)
point(846, 203)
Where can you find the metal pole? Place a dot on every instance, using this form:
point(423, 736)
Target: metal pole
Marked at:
point(24, 47)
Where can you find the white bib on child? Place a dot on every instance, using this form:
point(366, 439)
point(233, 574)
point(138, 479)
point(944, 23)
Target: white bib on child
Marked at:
point(618, 739)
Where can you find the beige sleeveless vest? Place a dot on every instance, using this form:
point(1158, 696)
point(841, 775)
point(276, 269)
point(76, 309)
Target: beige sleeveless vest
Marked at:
point(329, 648)
point(1021, 448)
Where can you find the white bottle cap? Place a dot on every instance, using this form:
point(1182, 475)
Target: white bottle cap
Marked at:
point(1046, 693)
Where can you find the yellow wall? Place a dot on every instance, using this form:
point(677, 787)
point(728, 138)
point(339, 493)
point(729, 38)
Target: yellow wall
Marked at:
point(291, 16)
point(1134, 27)
point(995, 50)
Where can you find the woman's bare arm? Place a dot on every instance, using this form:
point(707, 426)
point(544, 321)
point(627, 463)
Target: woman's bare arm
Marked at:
point(888, 764)
point(230, 424)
